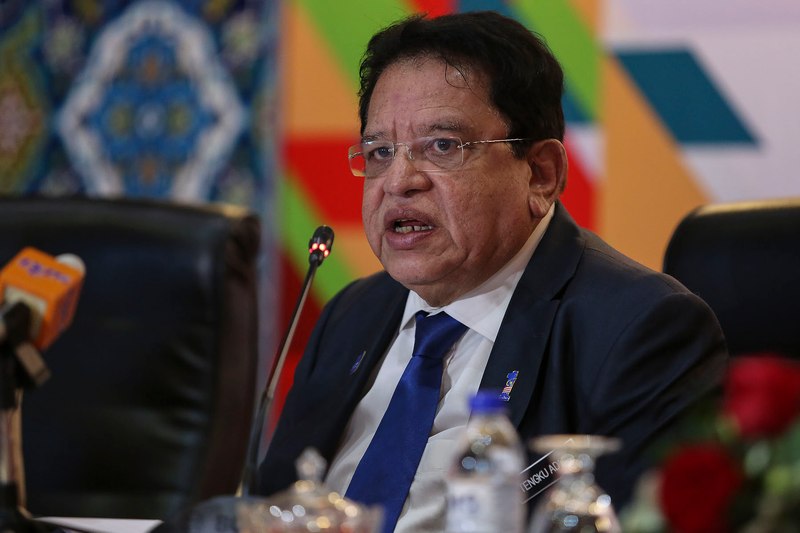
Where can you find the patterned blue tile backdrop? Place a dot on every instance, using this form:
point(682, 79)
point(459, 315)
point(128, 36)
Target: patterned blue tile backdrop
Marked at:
point(151, 98)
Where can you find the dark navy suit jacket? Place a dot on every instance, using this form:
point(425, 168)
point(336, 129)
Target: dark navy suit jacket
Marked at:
point(602, 345)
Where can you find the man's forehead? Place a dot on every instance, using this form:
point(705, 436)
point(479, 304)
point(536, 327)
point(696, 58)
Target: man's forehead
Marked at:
point(426, 105)
point(457, 72)
point(423, 128)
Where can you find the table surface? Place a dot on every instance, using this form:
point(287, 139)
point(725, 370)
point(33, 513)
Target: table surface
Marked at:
point(101, 525)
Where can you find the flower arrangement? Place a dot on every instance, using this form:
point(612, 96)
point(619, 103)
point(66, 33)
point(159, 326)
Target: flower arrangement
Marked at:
point(737, 467)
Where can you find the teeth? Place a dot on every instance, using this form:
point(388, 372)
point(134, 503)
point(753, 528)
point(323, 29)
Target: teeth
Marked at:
point(408, 229)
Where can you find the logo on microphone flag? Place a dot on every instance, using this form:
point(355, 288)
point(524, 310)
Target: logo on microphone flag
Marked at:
point(511, 378)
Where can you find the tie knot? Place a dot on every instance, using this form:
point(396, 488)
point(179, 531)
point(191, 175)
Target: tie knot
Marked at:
point(436, 334)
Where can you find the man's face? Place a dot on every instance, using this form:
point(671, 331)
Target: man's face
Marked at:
point(444, 233)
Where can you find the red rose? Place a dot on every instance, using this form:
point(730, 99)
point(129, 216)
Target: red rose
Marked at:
point(762, 394)
point(697, 486)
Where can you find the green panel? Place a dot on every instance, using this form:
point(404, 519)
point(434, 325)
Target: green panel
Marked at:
point(297, 224)
point(347, 25)
point(572, 42)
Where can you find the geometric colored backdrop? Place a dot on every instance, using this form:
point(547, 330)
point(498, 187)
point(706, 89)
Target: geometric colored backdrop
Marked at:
point(669, 105)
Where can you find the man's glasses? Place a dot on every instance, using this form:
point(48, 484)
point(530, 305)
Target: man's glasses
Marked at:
point(428, 154)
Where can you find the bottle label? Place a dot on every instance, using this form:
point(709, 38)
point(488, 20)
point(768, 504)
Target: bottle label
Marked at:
point(474, 506)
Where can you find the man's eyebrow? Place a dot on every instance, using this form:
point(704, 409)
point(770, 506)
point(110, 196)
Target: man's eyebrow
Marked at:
point(373, 137)
point(449, 126)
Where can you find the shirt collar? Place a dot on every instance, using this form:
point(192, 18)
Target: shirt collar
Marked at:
point(482, 309)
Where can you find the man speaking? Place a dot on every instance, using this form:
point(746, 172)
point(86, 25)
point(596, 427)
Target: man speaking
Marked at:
point(488, 283)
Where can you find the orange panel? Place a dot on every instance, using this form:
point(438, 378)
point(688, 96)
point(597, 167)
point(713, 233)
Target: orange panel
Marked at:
point(648, 189)
point(319, 98)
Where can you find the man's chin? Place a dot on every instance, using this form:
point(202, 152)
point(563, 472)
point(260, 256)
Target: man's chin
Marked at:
point(413, 282)
point(409, 271)
point(428, 286)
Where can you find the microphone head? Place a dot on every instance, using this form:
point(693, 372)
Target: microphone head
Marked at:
point(49, 286)
point(319, 247)
point(72, 260)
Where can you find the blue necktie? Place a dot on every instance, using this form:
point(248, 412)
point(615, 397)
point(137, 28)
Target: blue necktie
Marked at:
point(387, 469)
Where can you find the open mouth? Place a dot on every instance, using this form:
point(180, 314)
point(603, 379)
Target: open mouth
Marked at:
point(410, 226)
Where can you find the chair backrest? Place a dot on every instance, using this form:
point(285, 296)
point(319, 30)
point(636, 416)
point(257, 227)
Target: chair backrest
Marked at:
point(744, 260)
point(152, 389)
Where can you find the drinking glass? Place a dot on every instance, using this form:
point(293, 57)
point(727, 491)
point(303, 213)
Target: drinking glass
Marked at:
point(307, 506)
point(574, 503)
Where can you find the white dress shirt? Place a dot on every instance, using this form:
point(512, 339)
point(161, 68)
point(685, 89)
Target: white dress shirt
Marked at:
point(482, 311)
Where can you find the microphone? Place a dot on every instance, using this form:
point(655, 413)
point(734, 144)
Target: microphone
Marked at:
point(319, 247)
point(39, 294)
point(48, 287)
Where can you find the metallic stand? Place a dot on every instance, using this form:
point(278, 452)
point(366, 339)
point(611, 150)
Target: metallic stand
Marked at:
point(21, 366)
point(319, 247)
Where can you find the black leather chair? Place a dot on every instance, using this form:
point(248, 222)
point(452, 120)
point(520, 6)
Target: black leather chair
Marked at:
point(744, 260)
point(152, 389)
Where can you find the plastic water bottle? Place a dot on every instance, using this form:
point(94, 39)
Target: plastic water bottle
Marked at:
point(483, 483)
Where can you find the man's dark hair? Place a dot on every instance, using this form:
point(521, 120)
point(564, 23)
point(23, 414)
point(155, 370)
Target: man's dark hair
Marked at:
point(525, 81)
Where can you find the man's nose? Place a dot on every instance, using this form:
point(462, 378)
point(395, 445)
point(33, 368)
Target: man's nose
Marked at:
point(403, 175)
point(403, 158)
point(409, 151)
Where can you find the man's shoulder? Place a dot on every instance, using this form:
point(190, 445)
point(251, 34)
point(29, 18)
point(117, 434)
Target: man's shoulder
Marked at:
point(618, 272)
point(575, 261)
point(608, 291)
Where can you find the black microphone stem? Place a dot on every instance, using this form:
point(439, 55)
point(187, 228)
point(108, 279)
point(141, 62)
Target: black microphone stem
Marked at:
point(269, 393)
point(324, 235)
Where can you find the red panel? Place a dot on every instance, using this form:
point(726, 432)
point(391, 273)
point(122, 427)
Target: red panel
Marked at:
point(579, 196)
point(320, 163)
point(434, 8)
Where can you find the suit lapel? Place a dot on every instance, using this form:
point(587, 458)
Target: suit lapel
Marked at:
point(526, 328)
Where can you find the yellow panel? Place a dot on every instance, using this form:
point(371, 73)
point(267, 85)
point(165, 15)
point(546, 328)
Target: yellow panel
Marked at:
point(647, 189)
point(351, 243)
point(318, 98)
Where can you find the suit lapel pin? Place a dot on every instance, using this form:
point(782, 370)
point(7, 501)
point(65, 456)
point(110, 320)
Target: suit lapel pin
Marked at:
point(511, 378)
point(358, 362)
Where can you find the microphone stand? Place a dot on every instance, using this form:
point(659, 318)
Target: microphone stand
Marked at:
point(20, 364)
point(319, 248)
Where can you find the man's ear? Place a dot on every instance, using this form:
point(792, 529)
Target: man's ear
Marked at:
point(548, 162)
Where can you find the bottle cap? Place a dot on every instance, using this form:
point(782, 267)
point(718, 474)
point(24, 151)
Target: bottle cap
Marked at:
point(487, 401)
